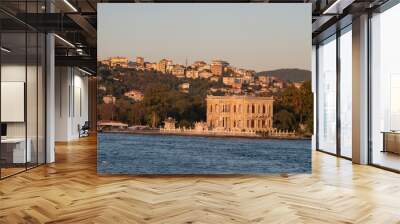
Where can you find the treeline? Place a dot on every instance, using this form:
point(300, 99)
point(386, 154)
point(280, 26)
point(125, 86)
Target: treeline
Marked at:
point(293, 109)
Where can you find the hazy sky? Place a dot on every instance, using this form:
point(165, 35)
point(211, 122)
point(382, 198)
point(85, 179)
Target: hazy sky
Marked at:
point(254, 36)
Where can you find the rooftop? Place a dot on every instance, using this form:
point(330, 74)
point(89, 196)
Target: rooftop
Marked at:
point(242, 97)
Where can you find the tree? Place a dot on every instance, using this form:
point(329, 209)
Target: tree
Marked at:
point(298, 103)
point(284, 120)
point(307, 108)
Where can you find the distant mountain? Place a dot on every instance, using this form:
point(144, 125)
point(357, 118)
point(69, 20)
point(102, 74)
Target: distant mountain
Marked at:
point(290, 74)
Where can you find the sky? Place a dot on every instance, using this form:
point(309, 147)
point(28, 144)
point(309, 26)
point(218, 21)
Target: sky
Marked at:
point(254, 36)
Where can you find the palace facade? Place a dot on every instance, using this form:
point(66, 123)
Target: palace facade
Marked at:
point(240, 113)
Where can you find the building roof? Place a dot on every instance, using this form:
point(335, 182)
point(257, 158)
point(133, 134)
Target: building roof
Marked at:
point(241, 97)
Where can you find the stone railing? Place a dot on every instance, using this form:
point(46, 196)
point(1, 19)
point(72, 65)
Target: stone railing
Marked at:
point(207, 132)
point(190, 131)
point(282, 133)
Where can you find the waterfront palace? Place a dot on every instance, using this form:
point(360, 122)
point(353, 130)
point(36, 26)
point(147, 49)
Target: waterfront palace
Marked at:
point(240, 113)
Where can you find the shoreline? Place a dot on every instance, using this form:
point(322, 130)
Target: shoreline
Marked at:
point(157, 132)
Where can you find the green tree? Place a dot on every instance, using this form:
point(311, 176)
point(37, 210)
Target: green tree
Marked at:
point(284, 120)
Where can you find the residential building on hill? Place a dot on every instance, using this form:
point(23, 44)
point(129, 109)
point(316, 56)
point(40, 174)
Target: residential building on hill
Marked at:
point(162, 66)
point(134, 95)
point(217, 67)
point(140, 62)
point(116, 62)
point(178, 71)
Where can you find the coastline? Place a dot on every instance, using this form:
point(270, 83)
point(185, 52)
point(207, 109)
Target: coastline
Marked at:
point(158, 132)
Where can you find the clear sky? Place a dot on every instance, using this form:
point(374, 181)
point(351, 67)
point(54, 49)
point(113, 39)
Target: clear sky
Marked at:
point(254, 36)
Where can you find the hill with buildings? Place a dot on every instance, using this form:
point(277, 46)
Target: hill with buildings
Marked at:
point(147, 93)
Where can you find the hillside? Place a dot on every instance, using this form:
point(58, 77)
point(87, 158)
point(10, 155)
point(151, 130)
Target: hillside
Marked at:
point(291, 74)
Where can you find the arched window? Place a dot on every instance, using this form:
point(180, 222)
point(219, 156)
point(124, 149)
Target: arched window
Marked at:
point(253, 108)
point(263, 109)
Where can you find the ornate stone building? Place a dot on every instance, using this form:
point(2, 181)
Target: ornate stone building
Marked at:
point(240, 113)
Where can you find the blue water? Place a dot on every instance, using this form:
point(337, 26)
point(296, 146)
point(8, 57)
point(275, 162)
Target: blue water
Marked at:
point(167, 154)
